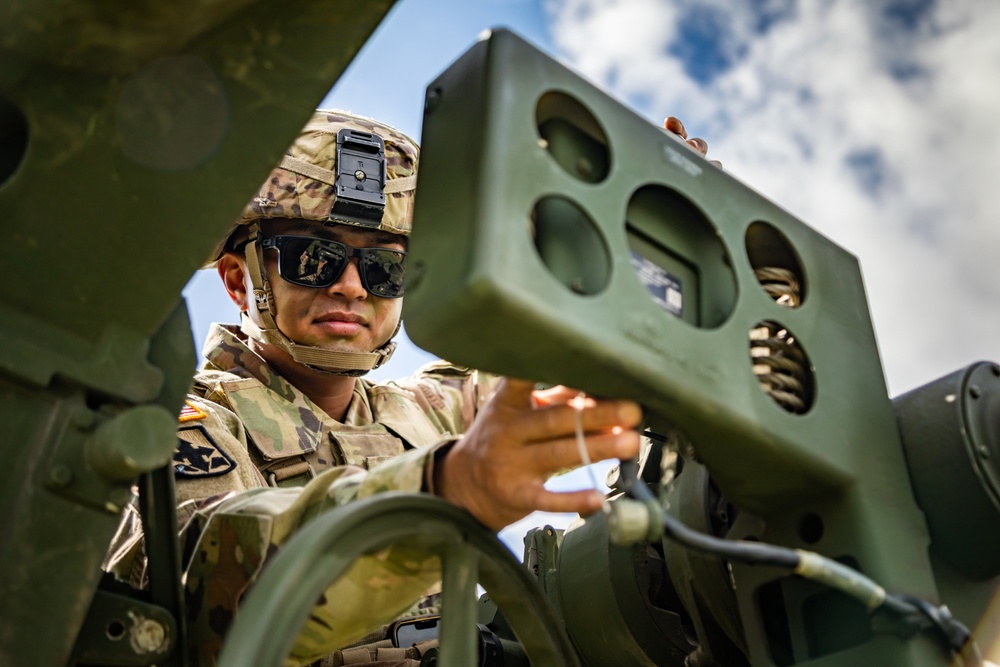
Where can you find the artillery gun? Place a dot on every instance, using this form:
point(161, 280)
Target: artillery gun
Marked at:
point(559, 237)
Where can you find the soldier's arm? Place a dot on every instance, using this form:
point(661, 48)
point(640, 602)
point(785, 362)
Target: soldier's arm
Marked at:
point(236, 535)
point(232, 521)
point(452, 394)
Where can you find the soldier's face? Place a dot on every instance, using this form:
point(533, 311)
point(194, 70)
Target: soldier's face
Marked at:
point(343, 316)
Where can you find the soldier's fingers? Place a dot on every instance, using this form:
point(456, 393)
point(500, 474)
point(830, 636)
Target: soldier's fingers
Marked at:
point(560, 395)
point(514, 393)
point(673, 124)
point(699, 145)
point(581, 502)
point(561, 420)
point(560, 454)
point(716, 163)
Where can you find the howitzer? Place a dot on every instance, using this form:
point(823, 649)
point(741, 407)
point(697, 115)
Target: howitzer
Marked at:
point(564, 239)
point(632, 266)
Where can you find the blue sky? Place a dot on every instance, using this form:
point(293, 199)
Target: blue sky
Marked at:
point(873, 121)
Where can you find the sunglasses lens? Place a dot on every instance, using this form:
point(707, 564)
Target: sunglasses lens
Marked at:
point(382, 271)
point(312, 262)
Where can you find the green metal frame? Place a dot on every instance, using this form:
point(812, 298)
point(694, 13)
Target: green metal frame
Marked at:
point(286, 591)
point(145, 127)
point(522, 265)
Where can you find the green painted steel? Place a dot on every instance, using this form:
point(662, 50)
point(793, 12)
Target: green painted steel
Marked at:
point(460, 571)
point(951, 431)
point(286, 592)
point(562, 238)
point(131, 133)
point(594, 574)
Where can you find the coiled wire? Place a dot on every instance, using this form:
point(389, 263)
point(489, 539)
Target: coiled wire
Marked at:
point(778, 362)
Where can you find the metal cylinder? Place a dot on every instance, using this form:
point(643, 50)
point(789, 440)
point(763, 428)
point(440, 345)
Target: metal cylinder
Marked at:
point(951, 436)
point(134, 442)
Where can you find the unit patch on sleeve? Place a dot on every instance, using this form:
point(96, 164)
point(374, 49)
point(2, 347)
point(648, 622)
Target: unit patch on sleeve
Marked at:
point(197, 455)
point(191, 412)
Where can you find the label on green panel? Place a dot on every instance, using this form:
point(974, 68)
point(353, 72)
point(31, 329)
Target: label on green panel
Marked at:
point(664, 288)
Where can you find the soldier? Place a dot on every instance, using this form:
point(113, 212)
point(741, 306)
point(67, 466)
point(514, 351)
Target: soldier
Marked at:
point(280, 424)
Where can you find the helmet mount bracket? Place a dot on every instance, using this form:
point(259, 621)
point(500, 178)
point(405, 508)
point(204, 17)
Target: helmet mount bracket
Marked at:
point(360, 180)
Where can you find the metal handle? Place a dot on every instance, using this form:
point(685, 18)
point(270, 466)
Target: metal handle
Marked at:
point(278, 606)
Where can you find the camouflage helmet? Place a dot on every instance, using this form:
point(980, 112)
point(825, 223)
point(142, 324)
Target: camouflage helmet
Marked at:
point(303, 186)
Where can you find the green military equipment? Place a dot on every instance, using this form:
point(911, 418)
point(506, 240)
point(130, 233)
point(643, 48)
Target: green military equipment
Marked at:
point(563, 238)
point(560, 237)
point(132, 135)
point(469, 553)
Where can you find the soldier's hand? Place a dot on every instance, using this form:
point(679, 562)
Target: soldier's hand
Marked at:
point(673, 124)
point(521, 437)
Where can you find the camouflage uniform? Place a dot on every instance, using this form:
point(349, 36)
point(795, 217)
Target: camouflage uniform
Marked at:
point(245, 429)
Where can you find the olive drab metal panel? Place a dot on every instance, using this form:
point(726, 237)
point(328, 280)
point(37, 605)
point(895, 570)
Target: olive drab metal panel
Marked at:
point(561, 237)
point(131, 134)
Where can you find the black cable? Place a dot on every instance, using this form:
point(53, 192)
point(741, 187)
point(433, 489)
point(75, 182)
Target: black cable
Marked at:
point(955, 634)
point(653, 435)
point(751, 553)
point(634, 488)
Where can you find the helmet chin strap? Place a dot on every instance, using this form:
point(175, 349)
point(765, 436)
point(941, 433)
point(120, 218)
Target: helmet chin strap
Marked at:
point(319, 359)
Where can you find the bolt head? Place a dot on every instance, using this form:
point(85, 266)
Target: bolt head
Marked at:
point(975, 391)
point(360, 175)
point(147, 636)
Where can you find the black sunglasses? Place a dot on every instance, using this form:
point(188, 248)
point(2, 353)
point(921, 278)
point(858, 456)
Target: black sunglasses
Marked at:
point(313, 262)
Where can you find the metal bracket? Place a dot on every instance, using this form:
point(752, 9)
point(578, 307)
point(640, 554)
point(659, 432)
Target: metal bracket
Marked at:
point(119, 630)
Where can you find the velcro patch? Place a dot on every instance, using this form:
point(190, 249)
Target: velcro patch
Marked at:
point(197, 455)
point(191, 412)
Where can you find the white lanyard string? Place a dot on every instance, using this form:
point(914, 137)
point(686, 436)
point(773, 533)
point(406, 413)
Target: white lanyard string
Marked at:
point(581, 445)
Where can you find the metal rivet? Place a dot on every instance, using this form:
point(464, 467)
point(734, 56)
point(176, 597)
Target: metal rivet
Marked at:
point(61, 476)
point(360, 175)
point(975, 391)
point(147, 636)
point(984, 451)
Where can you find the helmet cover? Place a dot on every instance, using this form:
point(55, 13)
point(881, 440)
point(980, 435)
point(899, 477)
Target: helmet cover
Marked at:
point(302, 186)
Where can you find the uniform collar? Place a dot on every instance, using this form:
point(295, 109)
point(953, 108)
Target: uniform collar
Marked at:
point(226, 349)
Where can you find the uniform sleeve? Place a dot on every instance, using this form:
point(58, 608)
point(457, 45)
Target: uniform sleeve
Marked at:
point(237, 535)
point(211, 460)
point(453, 394)
point(212, 455)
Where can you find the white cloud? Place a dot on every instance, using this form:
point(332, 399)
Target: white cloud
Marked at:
point(815, 88)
